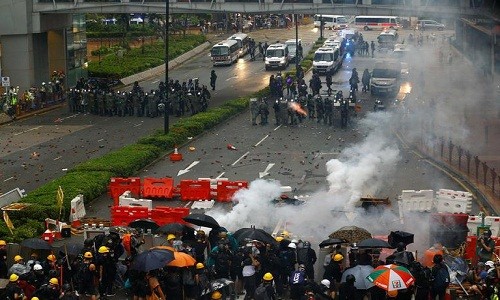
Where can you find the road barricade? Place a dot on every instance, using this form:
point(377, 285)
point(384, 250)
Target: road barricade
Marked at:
point(123, 215)
point(226, 189)
point(165, 215)
point(191, 190)
point(119, 185)
point(158, 187)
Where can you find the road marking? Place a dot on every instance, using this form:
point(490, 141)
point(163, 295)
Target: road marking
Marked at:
point(230, 78)
point(12, 177)
point(59, 157)
point(137, 125)
point(267, 135)
point(220, 175)
point(277, 128)
point(27, 130)
point(184, 171)
point(241, 157)
point(100, 140)
point(156, 81)
point(266, 171)
point(68, 117)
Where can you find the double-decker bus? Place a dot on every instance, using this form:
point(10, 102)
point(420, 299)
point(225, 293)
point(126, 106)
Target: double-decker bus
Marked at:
point(376, 22)
point(225, 52)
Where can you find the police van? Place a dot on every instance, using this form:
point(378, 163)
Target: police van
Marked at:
point(387, 39)
point(277, 56)
point(327, 59)
point(292, 48)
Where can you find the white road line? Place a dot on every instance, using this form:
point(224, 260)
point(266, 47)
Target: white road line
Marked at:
point(220, 175)
point(155, 81)
point(231, 78)
point(12, 177)
point(137, 125)
point(68, 117)
point(100, 140)
point(59, 157)
point(187, 204)
point(241, 157)
point(267, 135)
point(277, 128)
point(27, 130)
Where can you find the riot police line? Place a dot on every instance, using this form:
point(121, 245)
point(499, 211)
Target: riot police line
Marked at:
point(292, 106)
point(188, 97)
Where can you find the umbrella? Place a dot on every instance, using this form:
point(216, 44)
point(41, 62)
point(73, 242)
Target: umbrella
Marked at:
point(182, 260)
point(36, 244)
point(202, 220)
point(391, 277)
point(396, 237)
point(144, 224)
point(373, 243)
point(72, 249)
point(360, 272)
point(351, 234)
point(242, 235)
point(330, 242)
point(152, 259)
point(173, 228)
point(217, 284)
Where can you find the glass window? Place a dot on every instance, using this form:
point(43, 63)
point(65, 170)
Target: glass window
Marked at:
point(320, 56)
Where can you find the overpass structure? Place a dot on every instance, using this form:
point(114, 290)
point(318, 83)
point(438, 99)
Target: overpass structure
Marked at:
point(40, 36)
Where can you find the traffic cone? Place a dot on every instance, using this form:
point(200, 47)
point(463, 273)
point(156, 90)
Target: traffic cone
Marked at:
point(231, 147)
point(176, 156)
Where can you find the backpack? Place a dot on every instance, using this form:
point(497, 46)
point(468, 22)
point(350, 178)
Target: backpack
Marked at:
point(261, 293)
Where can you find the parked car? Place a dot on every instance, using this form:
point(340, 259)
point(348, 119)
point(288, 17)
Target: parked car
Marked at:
point(430, 24)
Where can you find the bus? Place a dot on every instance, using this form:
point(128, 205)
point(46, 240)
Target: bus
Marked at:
point(376, 22)
point(243, 42)
point(225, 52)
point(331, 21)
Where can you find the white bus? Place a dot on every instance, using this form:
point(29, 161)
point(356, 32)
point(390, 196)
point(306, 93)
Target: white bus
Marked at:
point(331, 21)
point(225, 52)
point(243, 42)
point(377, 22)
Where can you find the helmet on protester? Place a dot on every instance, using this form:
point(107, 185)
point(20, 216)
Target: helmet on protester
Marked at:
point(216, 295)
point(279, 239)
point(326, 283)
point(295, 241)
point(3, 243)
point(18, 258)
point(88, 254)
point(13, 277)
point(54, 281)
point(338, 257)
point(392, 294)
point(37, 267)
point(35, 298)
point(285, 234)
point(51, 258)
point(268, 276)
point(306, 244)
point(199, 266)
point(350, 278)
point(201, 232)
point(103, 249)
point(170, 237)
point(292, 245)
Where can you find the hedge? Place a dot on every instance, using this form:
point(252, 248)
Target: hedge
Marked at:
point(92, 177)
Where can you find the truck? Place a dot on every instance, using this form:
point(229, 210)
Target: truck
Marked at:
point(386, 77)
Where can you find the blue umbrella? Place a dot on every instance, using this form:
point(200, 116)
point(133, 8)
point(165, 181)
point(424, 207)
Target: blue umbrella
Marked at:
point(152, 259)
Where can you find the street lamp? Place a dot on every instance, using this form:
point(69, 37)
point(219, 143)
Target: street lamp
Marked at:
point(297, 58)
point(166, 110)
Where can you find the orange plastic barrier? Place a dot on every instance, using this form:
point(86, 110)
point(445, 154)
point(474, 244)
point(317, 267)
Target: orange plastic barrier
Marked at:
point(157, 187)
point(119, 185)
point(226, 189)
point(195, 190)
point(123, 215)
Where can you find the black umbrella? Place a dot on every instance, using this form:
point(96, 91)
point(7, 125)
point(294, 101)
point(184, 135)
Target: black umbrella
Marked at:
point(202, 220)
point(173, 228)
point(152, 259)
point(396, 237)
point(217, 284)
point(144, 224)
point(72, 249)
point(244, 234)
point(36, 244)
point(330, 242)
point(373, 243)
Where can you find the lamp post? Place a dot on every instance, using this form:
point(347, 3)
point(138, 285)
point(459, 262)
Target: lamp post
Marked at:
point(297, 58)
point(166, 110)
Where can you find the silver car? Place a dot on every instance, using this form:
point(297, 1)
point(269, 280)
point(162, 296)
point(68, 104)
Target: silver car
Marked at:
point(430, 24)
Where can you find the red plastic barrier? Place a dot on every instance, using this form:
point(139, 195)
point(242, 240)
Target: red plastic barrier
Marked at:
point(119, 185)
point(123, 215)
point(195, 190)
point(158, 188)
point(226, 189)
point(164, 215)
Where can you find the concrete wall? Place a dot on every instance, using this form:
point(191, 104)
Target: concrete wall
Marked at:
point(18, 59)
point(56, 51)
point(15, 17)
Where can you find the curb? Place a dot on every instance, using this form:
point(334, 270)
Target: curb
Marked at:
point(29, 114)
point(161, 68)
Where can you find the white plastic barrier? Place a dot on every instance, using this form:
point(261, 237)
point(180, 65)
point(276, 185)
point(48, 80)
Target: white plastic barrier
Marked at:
point(474, 221)
point(126, 200)
point(421, 201)
point(77, 208)
point(449, 201)
point(11, 196)
point(203, 204)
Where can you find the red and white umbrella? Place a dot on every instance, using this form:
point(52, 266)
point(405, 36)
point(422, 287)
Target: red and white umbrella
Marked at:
point(391, 277)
